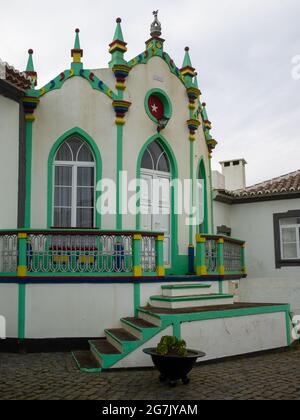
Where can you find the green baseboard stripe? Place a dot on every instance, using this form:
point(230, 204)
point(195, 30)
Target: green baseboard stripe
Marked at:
point(85, 370)
point(137, 298)
point(288, 327)
point(21, 311)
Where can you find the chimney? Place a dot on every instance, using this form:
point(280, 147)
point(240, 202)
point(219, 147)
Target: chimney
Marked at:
point(234, 172)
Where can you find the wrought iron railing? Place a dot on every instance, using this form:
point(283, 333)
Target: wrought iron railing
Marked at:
point(80, 252)
point(220, 255)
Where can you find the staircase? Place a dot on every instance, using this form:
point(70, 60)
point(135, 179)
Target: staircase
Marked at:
point(134, 332)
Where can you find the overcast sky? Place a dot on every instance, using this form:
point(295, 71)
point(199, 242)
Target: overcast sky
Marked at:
point(242, 51)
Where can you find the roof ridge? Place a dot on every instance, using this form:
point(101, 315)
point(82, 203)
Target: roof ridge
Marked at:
point(269, 181)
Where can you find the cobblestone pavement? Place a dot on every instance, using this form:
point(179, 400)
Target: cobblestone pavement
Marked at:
point(54, 376)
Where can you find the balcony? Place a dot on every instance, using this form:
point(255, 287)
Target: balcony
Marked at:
point(93, 253)
point(80, 253)
point(220, 256)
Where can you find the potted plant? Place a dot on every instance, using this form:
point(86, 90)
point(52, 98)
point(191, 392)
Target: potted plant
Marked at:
point(173, 360)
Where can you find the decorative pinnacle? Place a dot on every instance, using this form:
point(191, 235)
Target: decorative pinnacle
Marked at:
point(77, 52)
point(30, 66)
point(118, 32)
point(155, 30)
point(187, 59)
point(30, 71)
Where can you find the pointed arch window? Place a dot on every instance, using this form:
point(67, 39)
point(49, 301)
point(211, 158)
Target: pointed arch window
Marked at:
point(155, 158)
point(74, 185)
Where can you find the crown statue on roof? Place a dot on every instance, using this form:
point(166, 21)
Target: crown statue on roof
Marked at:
point(156, 25)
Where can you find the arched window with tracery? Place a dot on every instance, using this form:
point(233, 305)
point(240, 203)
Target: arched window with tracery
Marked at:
point(74, 185)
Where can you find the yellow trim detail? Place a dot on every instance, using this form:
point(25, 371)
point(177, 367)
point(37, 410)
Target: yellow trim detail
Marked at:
point(137, 271)
point(192, 137)
point(137, 237)
point(85, 259)
point(201, 271)
point(221, 270)
point(76, 57)
point(29, 117)
point(61, 259)
point(120, 121)
point(161, 271)
point(120, 86)
point(22, 271)
point(160, 238)
point(192, 106)
point(200, 239)
point(244, 270)
point(22, 235)
point(221, 241)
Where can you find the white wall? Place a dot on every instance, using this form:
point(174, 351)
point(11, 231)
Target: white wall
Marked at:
point(9, 308)
point(253, 222)
point(61, 311)
point(238, 335)
point(9, 162)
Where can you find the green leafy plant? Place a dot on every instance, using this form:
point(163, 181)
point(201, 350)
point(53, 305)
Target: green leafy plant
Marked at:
point(171, 346)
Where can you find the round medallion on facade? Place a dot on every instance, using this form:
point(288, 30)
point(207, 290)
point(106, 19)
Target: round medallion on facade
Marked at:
point(158, 105)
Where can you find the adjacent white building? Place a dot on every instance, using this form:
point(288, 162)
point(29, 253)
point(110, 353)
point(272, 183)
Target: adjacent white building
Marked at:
point(267, 216)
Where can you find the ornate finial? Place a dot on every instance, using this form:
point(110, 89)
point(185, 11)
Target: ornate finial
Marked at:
point(156, 26)
point(30, 71)
point(77, 52)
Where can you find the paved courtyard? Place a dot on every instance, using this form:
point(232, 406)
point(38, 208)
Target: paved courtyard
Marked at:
point(54, 376)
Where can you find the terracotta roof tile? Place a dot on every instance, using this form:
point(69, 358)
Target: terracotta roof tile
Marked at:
point(14, 77)
point(285, 184)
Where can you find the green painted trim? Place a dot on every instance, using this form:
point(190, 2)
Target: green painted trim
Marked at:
point(211, 198)
point(288, 326)
point(144, 57)
point(21, 311)
point(165, 100)
point(76, 71)
point(136, 298)
point(174, 217)
point(177, 330)
point(191, 227)
point(85, 370)
point(201, 174)
point(186, 286)
point(119, 216)
point(28, 174)
point(88, 139)
point(190, 298)
point(202, 316)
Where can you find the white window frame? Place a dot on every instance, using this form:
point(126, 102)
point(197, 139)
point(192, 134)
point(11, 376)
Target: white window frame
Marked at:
point(74, 207)
point(297, 228)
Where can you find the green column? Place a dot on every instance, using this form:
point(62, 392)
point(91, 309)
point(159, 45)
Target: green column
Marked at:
point(191, 236)
point(160, 266)
point(221, 267)
point(22, 272)
point(29, 122)
point(137, 255)
point(201, 268)
point(243, 259)
point(211, 196)
point(119, 221)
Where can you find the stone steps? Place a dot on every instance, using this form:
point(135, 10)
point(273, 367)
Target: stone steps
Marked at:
point(179, 302)
point(186, 290)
